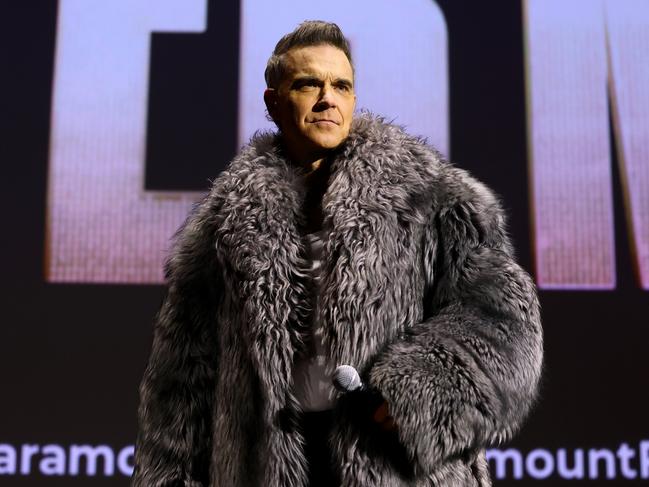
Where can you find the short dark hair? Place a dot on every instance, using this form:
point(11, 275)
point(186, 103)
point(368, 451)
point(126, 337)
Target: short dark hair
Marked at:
point(308, 33)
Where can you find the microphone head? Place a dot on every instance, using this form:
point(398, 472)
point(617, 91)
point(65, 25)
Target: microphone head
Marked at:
point(346, 378)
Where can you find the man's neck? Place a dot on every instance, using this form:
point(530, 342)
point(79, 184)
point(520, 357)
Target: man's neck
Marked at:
point(315, 165)
point(315, 179)
point(310, 161)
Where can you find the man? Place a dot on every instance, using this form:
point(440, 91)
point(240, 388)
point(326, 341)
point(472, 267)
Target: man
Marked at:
point(338, 240)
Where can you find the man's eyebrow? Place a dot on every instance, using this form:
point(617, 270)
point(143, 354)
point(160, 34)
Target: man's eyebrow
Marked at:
point(301, 80)
point(344, 82)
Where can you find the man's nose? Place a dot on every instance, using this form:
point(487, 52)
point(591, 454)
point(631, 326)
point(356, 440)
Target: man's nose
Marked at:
point(327, 95)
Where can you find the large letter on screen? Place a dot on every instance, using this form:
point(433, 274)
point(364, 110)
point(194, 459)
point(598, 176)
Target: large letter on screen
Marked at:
point(102, 226)
point(578, 52)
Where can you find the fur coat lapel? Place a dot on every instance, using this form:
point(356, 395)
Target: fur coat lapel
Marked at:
point(374, 201)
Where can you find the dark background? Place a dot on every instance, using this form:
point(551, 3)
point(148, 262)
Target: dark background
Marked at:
point(72, 356)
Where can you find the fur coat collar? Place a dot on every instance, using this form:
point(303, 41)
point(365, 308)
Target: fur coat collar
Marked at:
point(376, 191)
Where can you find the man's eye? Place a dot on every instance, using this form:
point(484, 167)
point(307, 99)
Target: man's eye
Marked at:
point(343, 88)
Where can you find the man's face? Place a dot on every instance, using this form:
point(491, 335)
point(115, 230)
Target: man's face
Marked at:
point(315, 100)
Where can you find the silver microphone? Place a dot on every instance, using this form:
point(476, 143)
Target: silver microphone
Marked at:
point(346, 379)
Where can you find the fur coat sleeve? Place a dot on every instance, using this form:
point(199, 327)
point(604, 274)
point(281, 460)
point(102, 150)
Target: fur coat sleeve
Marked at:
point(176, 398)
point(466, 376)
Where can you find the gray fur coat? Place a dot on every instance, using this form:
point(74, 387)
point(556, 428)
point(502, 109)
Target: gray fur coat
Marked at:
point(419, 292)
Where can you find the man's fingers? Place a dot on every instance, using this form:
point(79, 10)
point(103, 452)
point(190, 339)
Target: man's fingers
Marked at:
point(381, 413)
point(389, 424)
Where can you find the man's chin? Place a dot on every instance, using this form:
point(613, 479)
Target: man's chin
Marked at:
point(327, 143)
point(314, 145)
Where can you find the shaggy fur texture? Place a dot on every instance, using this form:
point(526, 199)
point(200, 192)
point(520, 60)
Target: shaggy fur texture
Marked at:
point(419, 292)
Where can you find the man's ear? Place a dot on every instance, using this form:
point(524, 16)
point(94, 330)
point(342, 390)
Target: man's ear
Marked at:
point(270, 99)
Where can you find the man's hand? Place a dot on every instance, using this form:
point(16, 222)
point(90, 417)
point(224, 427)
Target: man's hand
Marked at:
point(383, 418)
